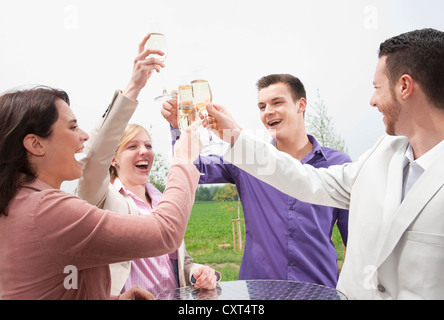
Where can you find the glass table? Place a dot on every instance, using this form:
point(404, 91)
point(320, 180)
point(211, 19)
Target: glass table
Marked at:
point(256, 290)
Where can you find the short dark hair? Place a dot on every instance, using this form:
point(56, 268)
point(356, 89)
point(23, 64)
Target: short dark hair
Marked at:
point(420, 54)
point(296, 87)
point(23, 112)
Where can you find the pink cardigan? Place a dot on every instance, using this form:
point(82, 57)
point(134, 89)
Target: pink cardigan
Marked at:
point(48, 229)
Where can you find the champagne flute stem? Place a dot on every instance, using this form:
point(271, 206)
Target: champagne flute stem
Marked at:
point(210, 136)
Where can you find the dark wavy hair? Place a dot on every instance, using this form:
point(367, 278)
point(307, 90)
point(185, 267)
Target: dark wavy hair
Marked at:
point(23, 112)
point(420, 54)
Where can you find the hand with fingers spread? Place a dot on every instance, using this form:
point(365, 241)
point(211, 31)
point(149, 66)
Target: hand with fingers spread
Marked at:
point(169, 111)
point(143, 69)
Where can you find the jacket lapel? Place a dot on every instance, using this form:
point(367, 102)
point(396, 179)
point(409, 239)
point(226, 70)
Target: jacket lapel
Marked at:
point(430, 182)
point(394, 186)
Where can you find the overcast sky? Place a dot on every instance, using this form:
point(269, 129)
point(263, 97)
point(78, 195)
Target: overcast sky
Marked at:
point(87, 49)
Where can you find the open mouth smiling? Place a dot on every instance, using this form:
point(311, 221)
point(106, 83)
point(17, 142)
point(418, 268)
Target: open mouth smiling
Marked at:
point(143, 165)
point(273, 123)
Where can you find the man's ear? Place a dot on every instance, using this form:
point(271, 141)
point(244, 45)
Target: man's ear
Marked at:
point(405, 85)
point(31, 142)
point(302, 105)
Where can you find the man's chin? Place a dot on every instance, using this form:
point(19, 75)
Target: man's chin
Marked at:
point(272, 133)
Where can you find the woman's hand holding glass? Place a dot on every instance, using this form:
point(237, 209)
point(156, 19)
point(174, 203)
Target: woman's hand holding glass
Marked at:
point(143, 68)
point(157, 42)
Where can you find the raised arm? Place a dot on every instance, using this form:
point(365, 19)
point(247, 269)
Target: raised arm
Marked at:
point(98, 237)
point(105, 137)
point(325, 186)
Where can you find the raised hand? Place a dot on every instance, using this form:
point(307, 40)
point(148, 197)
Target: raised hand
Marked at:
point(143, 68)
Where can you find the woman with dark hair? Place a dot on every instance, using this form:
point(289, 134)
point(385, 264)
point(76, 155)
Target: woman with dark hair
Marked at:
point(53, 245)
point(40, 115)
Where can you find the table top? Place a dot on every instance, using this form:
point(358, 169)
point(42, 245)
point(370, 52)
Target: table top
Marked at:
point(256, 290)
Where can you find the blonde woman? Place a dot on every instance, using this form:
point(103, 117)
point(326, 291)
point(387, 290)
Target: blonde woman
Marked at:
point(129, 175)
point(130, 155)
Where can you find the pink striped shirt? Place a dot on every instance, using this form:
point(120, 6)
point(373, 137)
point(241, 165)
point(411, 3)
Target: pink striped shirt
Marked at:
point(153, 274)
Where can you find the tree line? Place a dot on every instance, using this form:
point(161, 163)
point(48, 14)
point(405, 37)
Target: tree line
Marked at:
point(227, 192)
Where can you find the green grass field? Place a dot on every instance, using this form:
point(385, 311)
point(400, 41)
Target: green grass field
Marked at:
point(210, 226)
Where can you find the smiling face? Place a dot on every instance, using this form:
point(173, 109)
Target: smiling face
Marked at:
point(279, 113)
point(384, 99)
point(56, 153)
point(134, 159)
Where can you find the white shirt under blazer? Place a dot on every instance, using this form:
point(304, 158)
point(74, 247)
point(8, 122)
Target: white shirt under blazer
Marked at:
point(395, 248)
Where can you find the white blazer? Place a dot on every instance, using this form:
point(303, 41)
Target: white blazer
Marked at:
point(395, 249)
point(95, 187)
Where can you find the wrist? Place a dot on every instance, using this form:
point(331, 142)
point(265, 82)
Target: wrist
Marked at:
point(131, 92)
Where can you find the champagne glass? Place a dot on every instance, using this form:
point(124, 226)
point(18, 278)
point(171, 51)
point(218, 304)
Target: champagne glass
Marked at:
point(202, 96)
point(186, 112)
point(158, 41)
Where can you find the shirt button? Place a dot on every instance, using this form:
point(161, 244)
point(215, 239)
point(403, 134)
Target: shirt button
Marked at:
point(291, 235)
point(291, 208)
point(291, 263)
point(381, 288)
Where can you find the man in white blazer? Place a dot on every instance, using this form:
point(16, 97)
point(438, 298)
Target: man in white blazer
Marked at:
point(394, 191)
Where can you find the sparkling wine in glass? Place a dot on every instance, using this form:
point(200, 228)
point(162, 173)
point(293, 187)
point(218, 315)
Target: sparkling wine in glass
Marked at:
point(186, 111)
point(201, 95)
point(158, 41)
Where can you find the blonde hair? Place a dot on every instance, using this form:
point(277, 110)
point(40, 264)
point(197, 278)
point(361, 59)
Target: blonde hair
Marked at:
point(130, 132)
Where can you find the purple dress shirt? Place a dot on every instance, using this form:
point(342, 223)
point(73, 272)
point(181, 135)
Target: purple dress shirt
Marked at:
point(286, 239)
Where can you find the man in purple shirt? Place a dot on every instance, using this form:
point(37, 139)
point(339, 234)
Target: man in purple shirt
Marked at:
point(286, 239)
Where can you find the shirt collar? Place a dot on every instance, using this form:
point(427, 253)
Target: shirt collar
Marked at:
point(152, 191)
point(119, 185)
point(317, 148)
point(432, 155)
point(427, 159)
point(36, 184)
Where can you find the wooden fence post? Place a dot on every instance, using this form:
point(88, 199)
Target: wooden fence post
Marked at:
point(237, 230)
